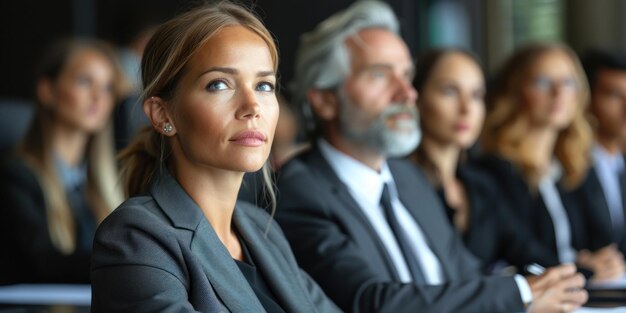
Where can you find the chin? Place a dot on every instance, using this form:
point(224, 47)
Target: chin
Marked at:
point(252, 164)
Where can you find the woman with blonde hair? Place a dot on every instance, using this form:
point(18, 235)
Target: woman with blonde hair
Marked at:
point(537, 142)
point(182, 243)
point(62, 180)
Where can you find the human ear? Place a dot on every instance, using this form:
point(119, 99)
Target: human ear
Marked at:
point(155, 110)
point(324, 103)
point(45, 94)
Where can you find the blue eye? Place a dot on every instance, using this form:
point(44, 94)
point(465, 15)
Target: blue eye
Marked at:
point(83, 81)
point(542, 83)
point(479, 95)
point(569, 82)
point(265, 86)
point(379, 74)
point(449, 91)
point(217, 85)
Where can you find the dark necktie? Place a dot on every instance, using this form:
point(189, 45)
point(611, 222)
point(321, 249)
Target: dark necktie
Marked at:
point(401, 237)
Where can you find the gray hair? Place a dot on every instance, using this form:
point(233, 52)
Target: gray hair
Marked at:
point(322, 59)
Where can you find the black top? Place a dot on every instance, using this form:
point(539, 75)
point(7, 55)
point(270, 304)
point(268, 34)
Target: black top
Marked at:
point(493, 232)
point(530, 210)
point(257, 282)
point(28, 254)
point(594, 191)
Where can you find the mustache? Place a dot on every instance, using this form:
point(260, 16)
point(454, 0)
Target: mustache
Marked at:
point(399, 108)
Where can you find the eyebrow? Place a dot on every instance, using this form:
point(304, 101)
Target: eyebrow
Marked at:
point(232, 71)
point(410, 70)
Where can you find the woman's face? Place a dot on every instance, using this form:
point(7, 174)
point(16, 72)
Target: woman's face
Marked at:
point(225, 107)
point(82, 97)
point(549, 91)
point(451, 103)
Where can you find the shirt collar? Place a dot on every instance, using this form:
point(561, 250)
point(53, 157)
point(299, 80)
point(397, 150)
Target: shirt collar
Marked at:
point(554, 172)
point(72, 177)
point(615, 161)
point(362, 180)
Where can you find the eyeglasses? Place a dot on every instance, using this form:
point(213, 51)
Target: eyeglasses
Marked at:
point(544, 83)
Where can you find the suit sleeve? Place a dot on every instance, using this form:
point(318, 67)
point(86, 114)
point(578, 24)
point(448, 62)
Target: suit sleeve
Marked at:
point(325, 250)
point(137, 267)
point(596, 220)
point(31, 257)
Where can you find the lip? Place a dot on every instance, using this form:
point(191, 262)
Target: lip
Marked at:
point(462, 127)
point(402, 116)
point(249, 138)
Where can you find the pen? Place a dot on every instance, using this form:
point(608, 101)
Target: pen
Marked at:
point(535, 269)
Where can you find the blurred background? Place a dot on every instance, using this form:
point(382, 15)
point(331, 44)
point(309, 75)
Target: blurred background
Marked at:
point(490, 28)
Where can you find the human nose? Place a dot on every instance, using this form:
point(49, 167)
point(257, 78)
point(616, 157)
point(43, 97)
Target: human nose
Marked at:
point(249, 107)
point(405, 92)
point(465, 102)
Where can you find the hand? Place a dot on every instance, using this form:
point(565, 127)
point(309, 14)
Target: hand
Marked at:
point(606, 263)
point(558, 290)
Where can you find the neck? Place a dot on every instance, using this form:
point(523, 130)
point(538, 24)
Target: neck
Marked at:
point(214, 191)
point(610, 144)
point(69, 144)
point(445, 157)
point(360, 152)
point(540, 143)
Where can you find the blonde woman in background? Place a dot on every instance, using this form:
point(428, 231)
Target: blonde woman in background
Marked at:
point(181, 243)
point(537, 143)
point(62, 181)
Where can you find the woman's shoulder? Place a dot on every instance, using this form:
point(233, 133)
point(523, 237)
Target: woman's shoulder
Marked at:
point(496, 166)
point(138, 233)
point(17, 176)
point(15, 167)
point(139, 212)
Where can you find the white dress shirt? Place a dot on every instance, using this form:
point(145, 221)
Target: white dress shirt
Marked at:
point(366, 187)
point(608, 167)
point(554, 204)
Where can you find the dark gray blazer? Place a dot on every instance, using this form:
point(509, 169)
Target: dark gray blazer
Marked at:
point(158, 253)
point(594, 191)
point(334, 241)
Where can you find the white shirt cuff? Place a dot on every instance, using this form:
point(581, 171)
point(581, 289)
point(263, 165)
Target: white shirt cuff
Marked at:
point(524, 289)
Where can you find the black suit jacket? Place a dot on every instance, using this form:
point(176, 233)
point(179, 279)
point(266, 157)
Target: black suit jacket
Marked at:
point(27, 254)
point(528, 207)
point(593, 190)
point(158, 253)
point(334, 241)
point(494, 233)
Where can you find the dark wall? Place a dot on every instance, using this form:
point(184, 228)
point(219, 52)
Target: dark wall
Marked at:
point(27, 27)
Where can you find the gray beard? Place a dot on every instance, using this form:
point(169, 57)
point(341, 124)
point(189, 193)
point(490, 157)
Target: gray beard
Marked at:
point(397, 142)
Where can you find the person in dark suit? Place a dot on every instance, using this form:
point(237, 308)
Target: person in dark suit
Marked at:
point(606, 72)
point(452, 109)
point(181, 243)
point(61, 180)
point(537, 142)
point(369, 229)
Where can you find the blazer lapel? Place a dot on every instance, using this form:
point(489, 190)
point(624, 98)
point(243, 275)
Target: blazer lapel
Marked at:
point(424, 206)
point(622, 189)
point(338, 188)
point(276, 270)
point(230, 285)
